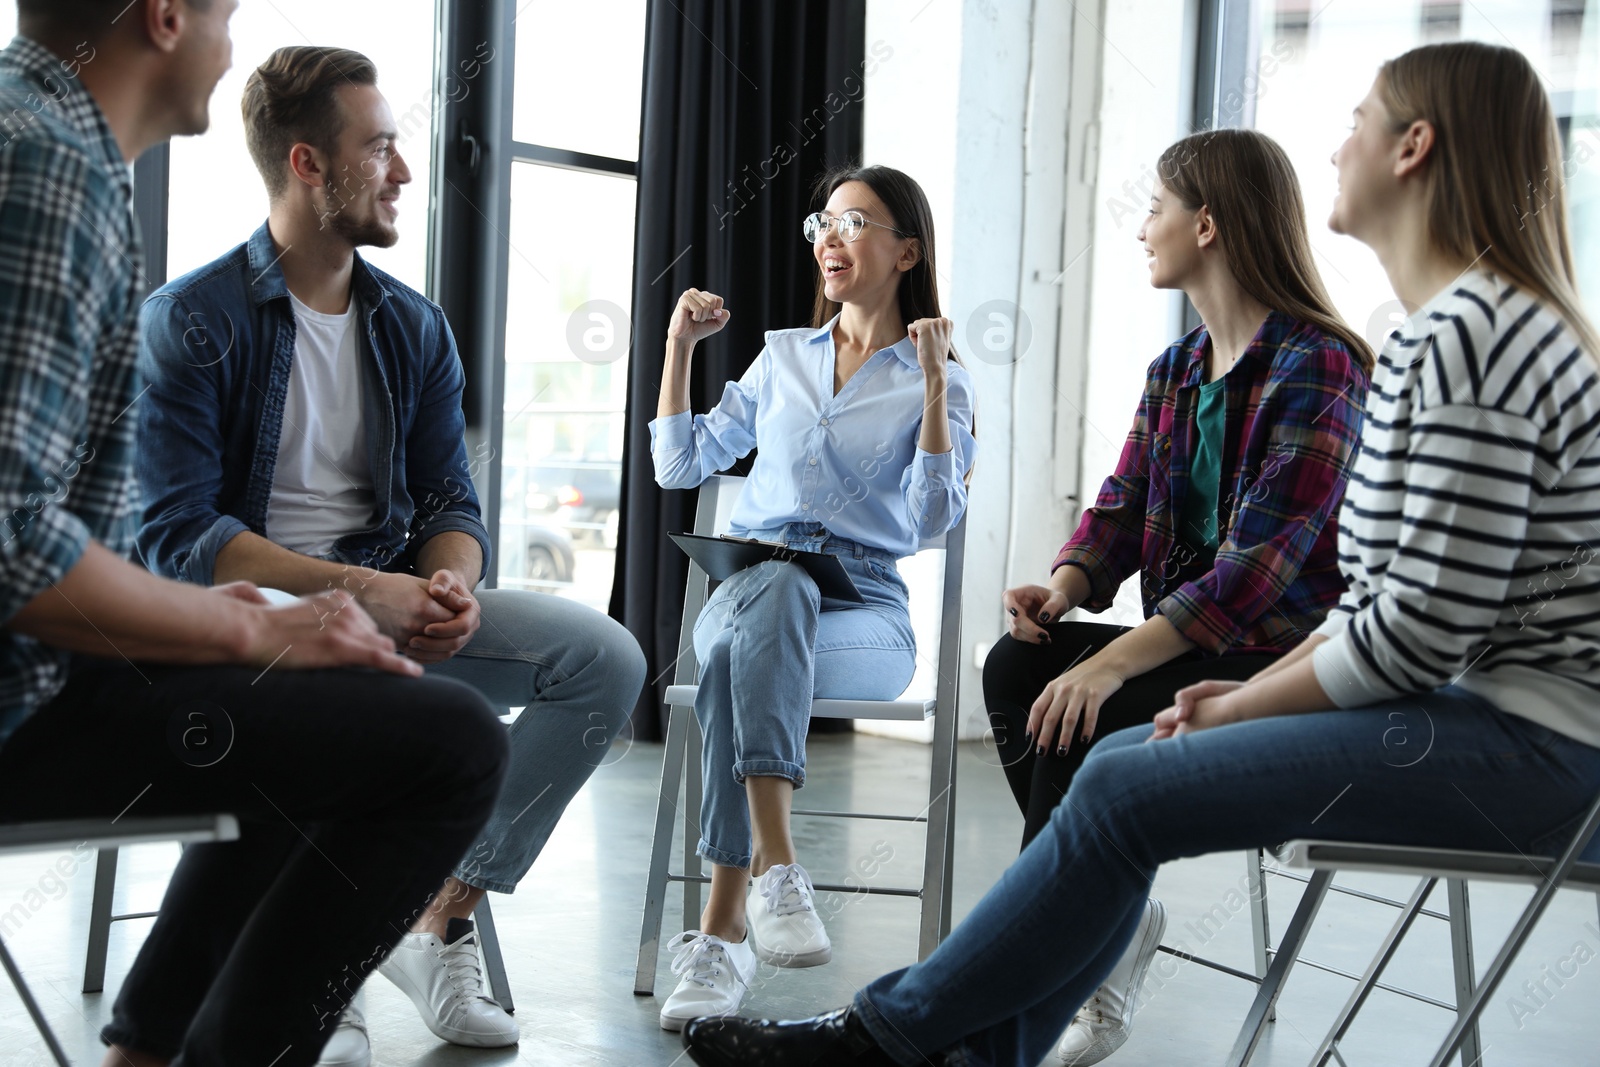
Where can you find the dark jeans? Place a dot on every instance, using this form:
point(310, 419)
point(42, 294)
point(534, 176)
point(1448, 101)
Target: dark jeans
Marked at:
point(356, 792)
point(1016, 673)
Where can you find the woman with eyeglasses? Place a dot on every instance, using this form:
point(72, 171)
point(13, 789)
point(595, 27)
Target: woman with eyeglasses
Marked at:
point(1450, 699)
point(1223, 502)
point(863, 423)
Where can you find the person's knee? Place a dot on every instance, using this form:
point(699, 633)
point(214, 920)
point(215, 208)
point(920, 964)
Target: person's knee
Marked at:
point(1009, 670)
point(464, 731)
point(788, 583)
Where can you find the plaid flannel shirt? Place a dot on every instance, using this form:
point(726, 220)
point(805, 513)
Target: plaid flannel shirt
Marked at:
point(70, 278)
point(1294, 409)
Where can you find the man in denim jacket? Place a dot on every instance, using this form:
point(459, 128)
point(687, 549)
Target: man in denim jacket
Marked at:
point(303, 430)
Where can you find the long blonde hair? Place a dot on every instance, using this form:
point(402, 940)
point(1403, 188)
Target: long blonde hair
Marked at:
point(1495, 183)
point(1247, 181)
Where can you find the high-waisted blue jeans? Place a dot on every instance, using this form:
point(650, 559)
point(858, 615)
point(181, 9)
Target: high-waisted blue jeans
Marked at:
point(768, 643)
point(1444, 769)
point(576, 673)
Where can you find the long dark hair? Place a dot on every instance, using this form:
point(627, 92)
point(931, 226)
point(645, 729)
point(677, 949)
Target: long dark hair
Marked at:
point(1247, 181)
point(909, 212)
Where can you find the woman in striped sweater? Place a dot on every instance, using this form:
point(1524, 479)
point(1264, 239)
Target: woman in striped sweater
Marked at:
point(1450, 700)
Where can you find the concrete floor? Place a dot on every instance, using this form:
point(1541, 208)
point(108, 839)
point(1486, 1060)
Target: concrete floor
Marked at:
point(570, 934)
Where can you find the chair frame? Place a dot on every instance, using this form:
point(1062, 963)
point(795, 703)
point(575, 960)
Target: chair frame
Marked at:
point(101, 917)
point(681, 763)
point(106, 835)
point(1324, 858)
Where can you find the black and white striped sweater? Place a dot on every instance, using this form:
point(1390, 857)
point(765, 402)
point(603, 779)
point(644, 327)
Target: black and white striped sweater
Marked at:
point(1470, 528)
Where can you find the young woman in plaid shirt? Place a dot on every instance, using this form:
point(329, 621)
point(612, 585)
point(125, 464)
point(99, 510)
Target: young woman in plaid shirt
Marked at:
point(1222, 502)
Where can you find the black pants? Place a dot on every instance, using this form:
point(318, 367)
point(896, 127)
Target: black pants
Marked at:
point(1016, 673)
point(356, 792)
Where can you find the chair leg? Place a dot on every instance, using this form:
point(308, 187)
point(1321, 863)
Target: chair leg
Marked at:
point(1294, 938)
point(32, 1005)
point(105, 884)
point(937, 870)
point(1363, 989)
point(1260, 923)
point(1465, 967)
point(494, 962)
point(655, 893)
point(693, 794)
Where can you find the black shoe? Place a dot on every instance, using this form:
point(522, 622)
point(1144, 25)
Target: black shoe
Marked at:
point(836, 1039)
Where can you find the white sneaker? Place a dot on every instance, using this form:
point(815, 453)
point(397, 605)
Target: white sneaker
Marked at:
point(785, 929)
point(1103, 1024)
point(348, 1047)
point(444, 979)
point(716, 974)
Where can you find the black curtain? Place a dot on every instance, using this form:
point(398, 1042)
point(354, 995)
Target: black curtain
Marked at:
point(746, 104)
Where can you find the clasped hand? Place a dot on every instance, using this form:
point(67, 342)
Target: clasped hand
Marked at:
point(1197, 707)
point(430, 619)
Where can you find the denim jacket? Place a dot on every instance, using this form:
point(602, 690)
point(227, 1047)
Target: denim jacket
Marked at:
point(215, 350)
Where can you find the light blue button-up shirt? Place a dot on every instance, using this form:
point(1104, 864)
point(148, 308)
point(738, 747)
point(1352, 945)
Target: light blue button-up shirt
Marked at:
point(849, 462)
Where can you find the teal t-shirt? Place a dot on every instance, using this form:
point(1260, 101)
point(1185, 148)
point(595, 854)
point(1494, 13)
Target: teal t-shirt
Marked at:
point(1199, 525)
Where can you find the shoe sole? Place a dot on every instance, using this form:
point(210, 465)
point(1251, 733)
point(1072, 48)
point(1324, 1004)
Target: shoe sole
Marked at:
point(443, 1033)
point(789, 960)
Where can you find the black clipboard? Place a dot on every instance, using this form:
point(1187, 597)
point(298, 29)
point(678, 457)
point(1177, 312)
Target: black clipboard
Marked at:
point(723, 557)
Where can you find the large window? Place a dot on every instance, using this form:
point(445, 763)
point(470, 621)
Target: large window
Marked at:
point(567, 331)
point(216, 196)
point(1318, 60)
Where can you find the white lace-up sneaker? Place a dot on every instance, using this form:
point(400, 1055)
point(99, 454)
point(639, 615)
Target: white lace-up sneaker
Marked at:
point(444, 979)
point(348, 1047)
point(715, 973)
point(1103, 1024)
point(781, 914)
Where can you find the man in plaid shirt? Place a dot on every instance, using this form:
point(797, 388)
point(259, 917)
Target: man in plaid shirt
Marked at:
point(126, 694)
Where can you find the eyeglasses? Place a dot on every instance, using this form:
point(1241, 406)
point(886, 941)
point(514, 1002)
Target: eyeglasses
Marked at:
point(851, 223)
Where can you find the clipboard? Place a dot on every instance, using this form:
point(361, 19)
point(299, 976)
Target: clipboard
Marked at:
point(723, 557)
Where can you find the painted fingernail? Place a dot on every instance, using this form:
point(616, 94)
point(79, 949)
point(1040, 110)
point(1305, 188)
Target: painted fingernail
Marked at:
point(1044, 616)
point(1013, 613)
point(1085, 739)
point(1039, 751)
point(1061, 750)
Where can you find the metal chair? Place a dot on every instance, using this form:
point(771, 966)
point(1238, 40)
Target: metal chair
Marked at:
point(107, 835)
point(681, 760)
point(1324, 858)
point(101, 918)
point(1257, 870)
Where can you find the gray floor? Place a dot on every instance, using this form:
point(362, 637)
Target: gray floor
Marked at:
point(570, 933)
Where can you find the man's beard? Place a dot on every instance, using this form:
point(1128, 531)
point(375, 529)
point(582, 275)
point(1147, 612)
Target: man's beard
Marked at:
point(361, 233)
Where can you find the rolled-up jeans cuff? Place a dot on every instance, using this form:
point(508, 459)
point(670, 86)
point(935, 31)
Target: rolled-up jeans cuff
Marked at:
point(722, 858)
point(478, 880)
point(770, 768)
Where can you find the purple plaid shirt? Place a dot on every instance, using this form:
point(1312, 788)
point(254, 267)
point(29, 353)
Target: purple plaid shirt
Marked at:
point(1294, 407)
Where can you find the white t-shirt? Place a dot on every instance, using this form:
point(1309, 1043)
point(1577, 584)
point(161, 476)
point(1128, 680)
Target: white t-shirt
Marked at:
point(322, 486)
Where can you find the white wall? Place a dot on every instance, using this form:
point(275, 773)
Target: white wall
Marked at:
point(1012, 115)
point(948, 108)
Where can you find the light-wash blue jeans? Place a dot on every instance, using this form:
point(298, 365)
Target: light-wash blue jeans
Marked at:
point(1444, 769)
point(576, 673)
point(768, 643)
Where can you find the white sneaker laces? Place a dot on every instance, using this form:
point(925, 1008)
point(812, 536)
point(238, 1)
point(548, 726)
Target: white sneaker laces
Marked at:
point(1091, 1014)
point(782, 887)
point(700, 958)
point(465, 972)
